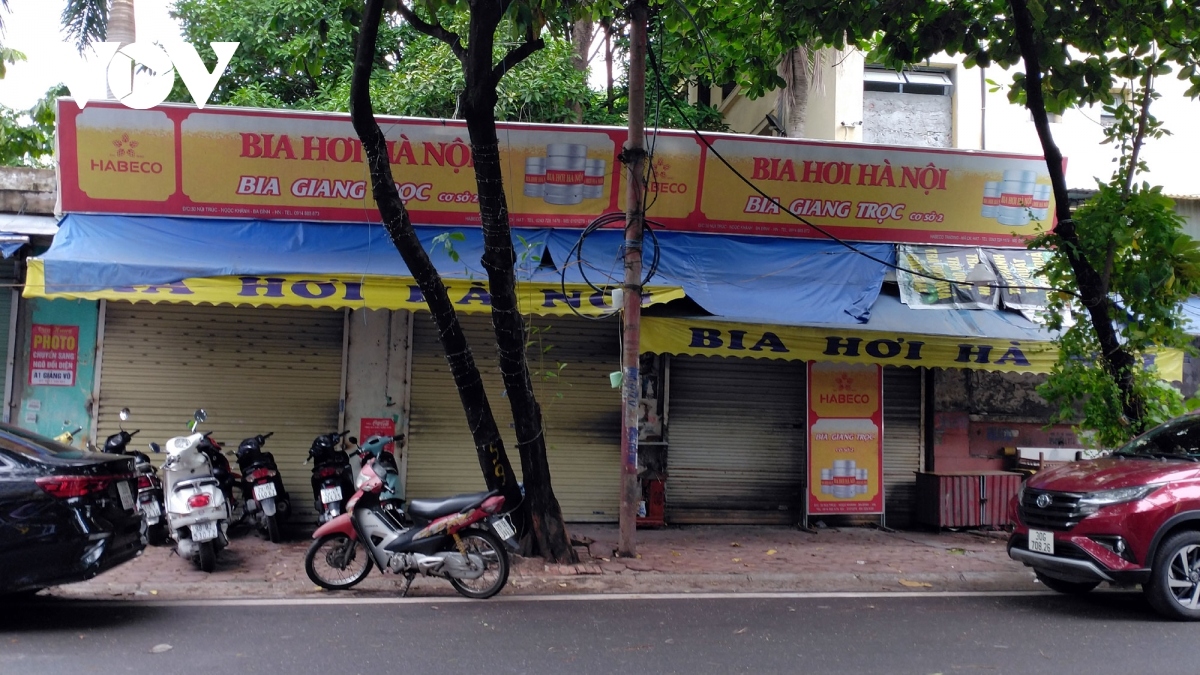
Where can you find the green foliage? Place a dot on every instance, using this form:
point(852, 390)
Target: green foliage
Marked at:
point(8, 56)
point(27, 136)
point(85, 21)
point(291, 50)
point(1154, 268)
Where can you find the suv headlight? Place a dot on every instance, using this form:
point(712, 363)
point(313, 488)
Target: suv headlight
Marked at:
point(1117, 496)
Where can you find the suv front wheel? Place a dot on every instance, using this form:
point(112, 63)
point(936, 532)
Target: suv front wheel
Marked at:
point(1174, 586)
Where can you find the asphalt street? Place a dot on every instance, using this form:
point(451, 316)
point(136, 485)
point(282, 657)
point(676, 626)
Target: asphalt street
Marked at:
point(1106, 632)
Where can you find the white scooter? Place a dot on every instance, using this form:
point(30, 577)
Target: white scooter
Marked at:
point(197, 511)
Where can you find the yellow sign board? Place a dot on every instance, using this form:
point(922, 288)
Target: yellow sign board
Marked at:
point(850, 344)
point(347, 290)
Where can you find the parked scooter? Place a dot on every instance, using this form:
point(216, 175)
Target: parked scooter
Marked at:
point(150, 491)
point(332, 477)
point(197, 509)
point(461, 539)
point(262, 487)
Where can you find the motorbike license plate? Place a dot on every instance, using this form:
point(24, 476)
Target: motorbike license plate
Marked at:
point(330, 495)
point(1041, 541)
point(504, 527)
point(204, 531)
point(126, 494)
point(264, 491)
point(151, 509)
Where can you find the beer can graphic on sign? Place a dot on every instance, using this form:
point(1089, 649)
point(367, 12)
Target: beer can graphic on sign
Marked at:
point(991, 199)
point(565, 164)
point(1041, 202)
point(535, 177)
point(843, 477)
point(826, 481)
point(593, 179)
point(860, 481)
point(1016, 197)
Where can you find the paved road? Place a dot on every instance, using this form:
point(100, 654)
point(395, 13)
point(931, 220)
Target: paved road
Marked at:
point(1102, 633)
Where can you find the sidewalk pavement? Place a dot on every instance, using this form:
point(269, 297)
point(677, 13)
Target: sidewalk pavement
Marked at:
point(694, 559)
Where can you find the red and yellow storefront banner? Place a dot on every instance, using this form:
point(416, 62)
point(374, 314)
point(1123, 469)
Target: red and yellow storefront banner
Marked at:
point(848, 344)
point(347, 290)
point(845, 438)
point(240, 163)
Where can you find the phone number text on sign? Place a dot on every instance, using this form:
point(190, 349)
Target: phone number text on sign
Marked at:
point(53, 355)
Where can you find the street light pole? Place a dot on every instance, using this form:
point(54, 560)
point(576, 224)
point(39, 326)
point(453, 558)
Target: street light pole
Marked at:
point(634, 158)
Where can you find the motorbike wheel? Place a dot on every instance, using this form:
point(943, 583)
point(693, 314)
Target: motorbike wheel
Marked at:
point(207, 557)
point(336, 562)
point(495, 559)
point(273, 529)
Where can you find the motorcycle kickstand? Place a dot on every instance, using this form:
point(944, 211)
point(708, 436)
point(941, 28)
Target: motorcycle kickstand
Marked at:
point(408, 579)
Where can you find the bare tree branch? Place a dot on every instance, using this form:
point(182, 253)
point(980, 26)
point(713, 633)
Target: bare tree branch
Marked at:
point(433, 30)
point(516, 56)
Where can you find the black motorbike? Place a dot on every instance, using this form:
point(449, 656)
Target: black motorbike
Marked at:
point(262, 487)
point(150, 489)
point(332, 477)
point(221, 469)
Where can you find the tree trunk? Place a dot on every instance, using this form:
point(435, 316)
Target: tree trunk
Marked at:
point(581, 44)
point(121, 24)
point(550, 538)
point(489, 446)
point(121, 28)
point(1093, 290)
point(792, 106)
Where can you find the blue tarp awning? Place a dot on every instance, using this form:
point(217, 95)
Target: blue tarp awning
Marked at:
point(761, 279)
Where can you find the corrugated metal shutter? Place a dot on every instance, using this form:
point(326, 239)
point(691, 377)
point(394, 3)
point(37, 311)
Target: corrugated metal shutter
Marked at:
point(901, 442)
point(736, 440)
point(581, 412)
point(253, 370)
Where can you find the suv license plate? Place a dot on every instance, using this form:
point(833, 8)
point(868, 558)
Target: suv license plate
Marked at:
point(331, 495)
point(264, 491)
point(126, 494)
point(204, 531)
point(503, 527)
point(1041, 541)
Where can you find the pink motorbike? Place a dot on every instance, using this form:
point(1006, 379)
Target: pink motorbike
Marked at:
point(462, 539)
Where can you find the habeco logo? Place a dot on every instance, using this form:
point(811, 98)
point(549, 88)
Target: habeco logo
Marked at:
point(141, 74)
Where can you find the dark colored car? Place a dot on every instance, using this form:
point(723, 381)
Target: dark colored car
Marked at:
point(65, 514)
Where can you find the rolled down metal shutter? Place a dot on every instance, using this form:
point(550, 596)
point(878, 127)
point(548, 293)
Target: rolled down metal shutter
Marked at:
point(736, 440)
point(580, 409)
point(902, 446)
point(253, 370)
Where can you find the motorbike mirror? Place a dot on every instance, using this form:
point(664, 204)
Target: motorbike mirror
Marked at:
point(200, 415)
point(353, 440)
point(154, 447)
point(124, 414)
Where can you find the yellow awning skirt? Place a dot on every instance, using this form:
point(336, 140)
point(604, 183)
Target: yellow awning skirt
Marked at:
point(850, 345)
point(346, 290)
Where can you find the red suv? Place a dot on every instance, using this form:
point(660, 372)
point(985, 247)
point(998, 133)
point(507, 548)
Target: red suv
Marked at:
point(1132, 517)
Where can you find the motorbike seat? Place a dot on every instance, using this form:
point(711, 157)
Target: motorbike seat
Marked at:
point(429, 509)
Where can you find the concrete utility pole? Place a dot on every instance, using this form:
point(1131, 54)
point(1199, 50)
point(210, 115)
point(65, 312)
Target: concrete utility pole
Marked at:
point(631, 391)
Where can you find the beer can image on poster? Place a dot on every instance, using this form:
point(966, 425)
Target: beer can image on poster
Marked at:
point(1041, 202)
point(535, 177)
point(593, 178)
point(1016, 197)
point(565, 167)
point(991, 199)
